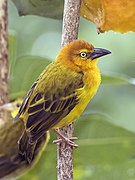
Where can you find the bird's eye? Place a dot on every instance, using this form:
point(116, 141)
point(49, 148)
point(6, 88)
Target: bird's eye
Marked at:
point(83, 54)
point(18, 105)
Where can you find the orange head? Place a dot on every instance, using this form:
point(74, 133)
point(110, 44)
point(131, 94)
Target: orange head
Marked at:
point(80, 55)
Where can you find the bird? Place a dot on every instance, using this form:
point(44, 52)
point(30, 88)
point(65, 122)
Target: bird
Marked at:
point(12, 164)
point(59, 95)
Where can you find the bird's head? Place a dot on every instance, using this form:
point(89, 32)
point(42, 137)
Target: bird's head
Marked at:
point(80, 55)
point(12, 107)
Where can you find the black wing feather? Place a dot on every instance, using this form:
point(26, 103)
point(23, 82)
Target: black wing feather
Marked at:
point(40, 121)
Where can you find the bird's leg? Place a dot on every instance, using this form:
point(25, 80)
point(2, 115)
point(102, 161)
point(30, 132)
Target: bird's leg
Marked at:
point(65, 139)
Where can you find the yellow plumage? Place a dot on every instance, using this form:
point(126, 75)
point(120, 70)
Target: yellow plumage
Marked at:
point(16, 105)
point(91, 82)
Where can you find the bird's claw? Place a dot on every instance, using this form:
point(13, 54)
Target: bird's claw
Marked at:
point(67, 141)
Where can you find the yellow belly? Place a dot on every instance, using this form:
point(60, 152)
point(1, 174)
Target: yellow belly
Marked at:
point(84, 95)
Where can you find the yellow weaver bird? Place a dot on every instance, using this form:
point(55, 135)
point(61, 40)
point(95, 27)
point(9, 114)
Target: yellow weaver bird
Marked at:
point(59, 96)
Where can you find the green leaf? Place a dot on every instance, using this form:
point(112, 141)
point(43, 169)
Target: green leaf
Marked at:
point(26, 71)
point(116, 79)
point(12, 51)
point(35, 35)
point(52, 9)
point(105, 151)
point(117, 102)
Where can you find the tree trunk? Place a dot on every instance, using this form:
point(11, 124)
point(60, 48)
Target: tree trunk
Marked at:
point(3, 58)
point(70, 32)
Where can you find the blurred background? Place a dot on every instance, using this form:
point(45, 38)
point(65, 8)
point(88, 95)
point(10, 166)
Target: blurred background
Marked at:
point(106, 130)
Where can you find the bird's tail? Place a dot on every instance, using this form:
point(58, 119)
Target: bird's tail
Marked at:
point(16, 161)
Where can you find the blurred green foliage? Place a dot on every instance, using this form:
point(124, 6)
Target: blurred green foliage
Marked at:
point(106, 130)
point(47, 8)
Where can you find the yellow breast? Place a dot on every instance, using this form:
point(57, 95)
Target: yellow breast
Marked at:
point(92, 81)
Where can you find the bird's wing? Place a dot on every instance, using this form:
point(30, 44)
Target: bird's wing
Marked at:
point(44, 114)
point(50, 106)
point(25, 102)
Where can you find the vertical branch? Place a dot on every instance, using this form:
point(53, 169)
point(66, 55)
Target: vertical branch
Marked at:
point(71, 19)
point(69, 33)
point(3, 57)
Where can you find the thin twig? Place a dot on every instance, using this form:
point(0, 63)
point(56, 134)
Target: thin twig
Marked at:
point(70, 32)
point(3, 58)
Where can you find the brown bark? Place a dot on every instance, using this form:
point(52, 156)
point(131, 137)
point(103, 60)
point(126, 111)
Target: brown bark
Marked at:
point(70, 32)
point(3, 58)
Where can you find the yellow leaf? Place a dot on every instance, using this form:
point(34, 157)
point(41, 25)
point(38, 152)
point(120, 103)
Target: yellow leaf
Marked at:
point(116, 15)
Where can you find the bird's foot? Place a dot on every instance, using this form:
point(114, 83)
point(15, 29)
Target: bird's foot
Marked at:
point(65, 139)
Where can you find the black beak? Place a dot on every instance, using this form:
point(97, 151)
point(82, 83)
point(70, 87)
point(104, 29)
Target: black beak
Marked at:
point(99, 52)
